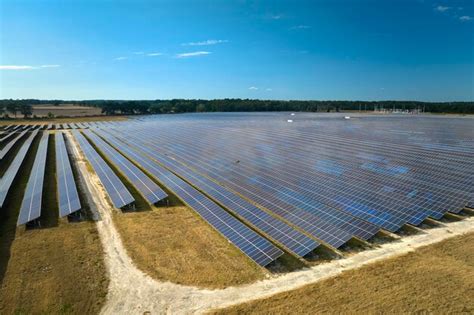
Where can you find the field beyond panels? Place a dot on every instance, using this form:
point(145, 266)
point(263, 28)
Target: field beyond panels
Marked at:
point(66, 110)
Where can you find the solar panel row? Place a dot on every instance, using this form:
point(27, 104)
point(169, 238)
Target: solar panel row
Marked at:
point(9, 176)
point(147, 188)
point(10, 144)
point(294, 241)
point(31, 204)
point(68, 198)
point(253, 245)
point(116, 190)
point(7, 136)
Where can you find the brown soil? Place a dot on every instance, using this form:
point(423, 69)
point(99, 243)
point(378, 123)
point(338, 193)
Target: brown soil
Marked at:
point(434, 279)
point(174, 244)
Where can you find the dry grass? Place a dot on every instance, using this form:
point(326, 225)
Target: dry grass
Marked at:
point(173, 243)
point(55, 270)
point(21, 121)
point(66, 110)
point(434, 279)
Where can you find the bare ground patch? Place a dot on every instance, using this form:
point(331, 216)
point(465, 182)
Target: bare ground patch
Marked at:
point(435, 279)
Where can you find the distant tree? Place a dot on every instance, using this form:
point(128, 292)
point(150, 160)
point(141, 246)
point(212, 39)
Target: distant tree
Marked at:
point(50, 115)
point(201, 108)
point(26, 110)
point(13, 108)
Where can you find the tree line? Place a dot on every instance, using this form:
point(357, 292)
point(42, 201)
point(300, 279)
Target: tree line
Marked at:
point(122, 107)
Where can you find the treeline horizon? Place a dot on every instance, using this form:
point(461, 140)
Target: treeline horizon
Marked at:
point(130, 107)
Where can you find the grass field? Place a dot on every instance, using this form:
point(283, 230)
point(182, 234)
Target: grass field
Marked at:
point(30, 121)
point(66, 110)
point(437, 279)
point(174, 244)
point(57, 268)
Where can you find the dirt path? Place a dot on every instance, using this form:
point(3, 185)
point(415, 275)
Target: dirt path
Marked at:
point(133, 292)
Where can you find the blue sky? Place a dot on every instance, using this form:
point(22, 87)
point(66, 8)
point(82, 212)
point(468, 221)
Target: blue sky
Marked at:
point(320, 49)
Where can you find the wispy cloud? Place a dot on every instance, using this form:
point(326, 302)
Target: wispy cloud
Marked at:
point(121, 58)
point(24, 67)
point(300, 27)
point(465, 18)
point(206, 42)
point(138, 52)
point(441, 8)
point(154, 54)
point(254, 88)
point(193, 54)
point(268, 89)
point(50, 66)
point(276, 16)
point(15, 67)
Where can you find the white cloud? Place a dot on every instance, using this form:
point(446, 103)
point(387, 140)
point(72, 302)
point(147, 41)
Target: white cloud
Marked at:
point(50, 66)
point(300, 27)
point(193, 54)
point(441, 8)
point(15, 67)
point(276, 16)
point(120, 58)
point(138, 53)
point(253, 88)
point(154, 54)
point(268, 89)
point(207, 42)
point(466, 18)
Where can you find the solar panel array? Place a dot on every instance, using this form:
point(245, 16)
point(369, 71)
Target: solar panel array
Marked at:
point(259, 180)
point(116, 190)
point(68, 198)
point(10, 174)
point(253, 245)
point(345, 178)
point(282, 233)
point(147, 188)
point(31, 204)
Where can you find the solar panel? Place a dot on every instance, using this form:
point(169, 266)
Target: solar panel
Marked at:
point(249, 242)
point(294, 241)
point(68, 200)
point(147, 188)
point(116, 190)
point(50, 126)
point(332, 227)
point(334, 170)
point(9, 176)
point(31, 204)
point(10, 144)
point(7, 136)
